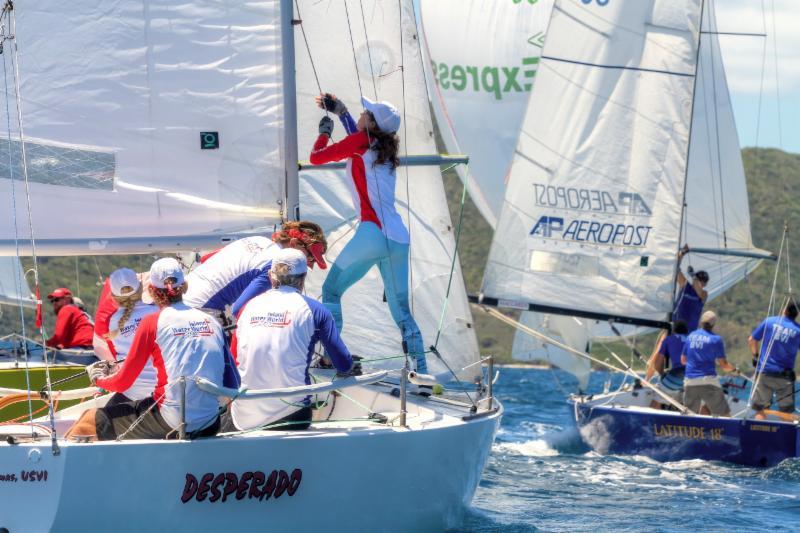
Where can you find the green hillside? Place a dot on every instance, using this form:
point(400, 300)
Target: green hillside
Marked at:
point(773, 182)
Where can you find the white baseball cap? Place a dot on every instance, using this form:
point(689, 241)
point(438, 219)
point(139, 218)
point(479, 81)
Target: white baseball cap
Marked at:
point(124, 277)
point(163, 269)
point(386, 115)
point(709, 317)
point(293, 258)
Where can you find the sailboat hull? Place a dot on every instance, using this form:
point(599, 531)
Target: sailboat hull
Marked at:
point(671, 436)
point(376, 478)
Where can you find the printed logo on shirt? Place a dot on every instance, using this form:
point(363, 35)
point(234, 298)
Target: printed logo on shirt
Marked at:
point(271, 320)
point(253, 247)
point(129, 329)
point(698, 342)
point(198, 328)
point(782, 333)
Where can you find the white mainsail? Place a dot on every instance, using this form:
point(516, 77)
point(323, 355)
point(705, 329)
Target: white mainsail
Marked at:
point(14, 288)
point(325, 195)
point(597, 182)
point(146, 126)
point(600, 202)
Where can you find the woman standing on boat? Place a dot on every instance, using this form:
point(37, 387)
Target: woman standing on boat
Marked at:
point(381, 238)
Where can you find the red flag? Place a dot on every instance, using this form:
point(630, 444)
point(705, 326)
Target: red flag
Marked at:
point(38, 309)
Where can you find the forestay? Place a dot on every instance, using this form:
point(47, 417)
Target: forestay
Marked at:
point(325, 194)
point(14, 288)
point(480, 83)
point(597, 181)
point(153, 123)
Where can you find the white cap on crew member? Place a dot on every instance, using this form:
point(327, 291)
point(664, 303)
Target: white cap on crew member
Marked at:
point(386, 115)
point(163, 269)
point(121, 278)
point(293, 258)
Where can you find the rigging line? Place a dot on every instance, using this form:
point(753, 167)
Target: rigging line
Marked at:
point(777, 271)
point(777, 81)
point(716, 132)
point(369, 49)
point(405, 143)
point(788, 266)
point(688, 148)
point(544, 338)
point(455, 255)
point(15, 65)
point(308, 49)
point(15, 222)
point(353, 46)
point(763, 63)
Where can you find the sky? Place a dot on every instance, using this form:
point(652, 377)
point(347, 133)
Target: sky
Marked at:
point(744, 57)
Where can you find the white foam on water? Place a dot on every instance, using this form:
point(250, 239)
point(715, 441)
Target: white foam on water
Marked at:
point(530, 448)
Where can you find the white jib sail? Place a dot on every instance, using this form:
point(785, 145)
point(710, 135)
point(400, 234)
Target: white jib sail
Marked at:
point(566, 329)
point(717, 213)
point(481, 77)
point(152, 120)
point(14, 288)
point(325, 195)
point(597, 181)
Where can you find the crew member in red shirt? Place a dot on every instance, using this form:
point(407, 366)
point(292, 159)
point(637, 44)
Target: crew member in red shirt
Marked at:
point(74, 328)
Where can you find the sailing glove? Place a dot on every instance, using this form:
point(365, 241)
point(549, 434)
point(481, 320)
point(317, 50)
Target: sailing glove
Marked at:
point(100, 369)
point(331, 104)
point(326, 126)
point(355, 370)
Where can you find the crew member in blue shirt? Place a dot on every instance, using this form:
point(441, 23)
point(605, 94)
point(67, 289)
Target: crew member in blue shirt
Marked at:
point(702, 351)
point(780, 339)
point(668, 354)
point(692, 296)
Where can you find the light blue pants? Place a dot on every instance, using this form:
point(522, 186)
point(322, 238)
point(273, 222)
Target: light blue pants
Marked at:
point(367, 248)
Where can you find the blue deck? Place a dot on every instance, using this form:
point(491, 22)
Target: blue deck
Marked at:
point(671, 436)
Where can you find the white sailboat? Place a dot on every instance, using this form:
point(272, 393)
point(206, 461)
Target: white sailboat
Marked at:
point(181, 124)
point(716, 218)
point(628, 151)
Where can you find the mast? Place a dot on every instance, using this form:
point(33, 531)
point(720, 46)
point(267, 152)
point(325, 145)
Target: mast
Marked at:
point(292, 189)
point(688, 153)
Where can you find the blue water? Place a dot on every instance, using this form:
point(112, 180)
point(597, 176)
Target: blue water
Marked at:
point(541, 477)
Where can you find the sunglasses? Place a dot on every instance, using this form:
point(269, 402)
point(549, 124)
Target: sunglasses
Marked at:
point(57, 299)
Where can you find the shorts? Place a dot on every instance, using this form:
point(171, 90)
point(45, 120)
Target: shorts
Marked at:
point(782, 387)
point(300, 419)
point(114, 420)
point(711, 395)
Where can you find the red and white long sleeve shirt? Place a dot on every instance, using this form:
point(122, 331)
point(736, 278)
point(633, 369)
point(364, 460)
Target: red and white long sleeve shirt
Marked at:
point(146, 382)
point(371, 185)
point(180, 341)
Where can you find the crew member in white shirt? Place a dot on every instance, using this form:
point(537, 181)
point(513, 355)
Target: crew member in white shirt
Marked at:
point(126, 290)
point(274, 343)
